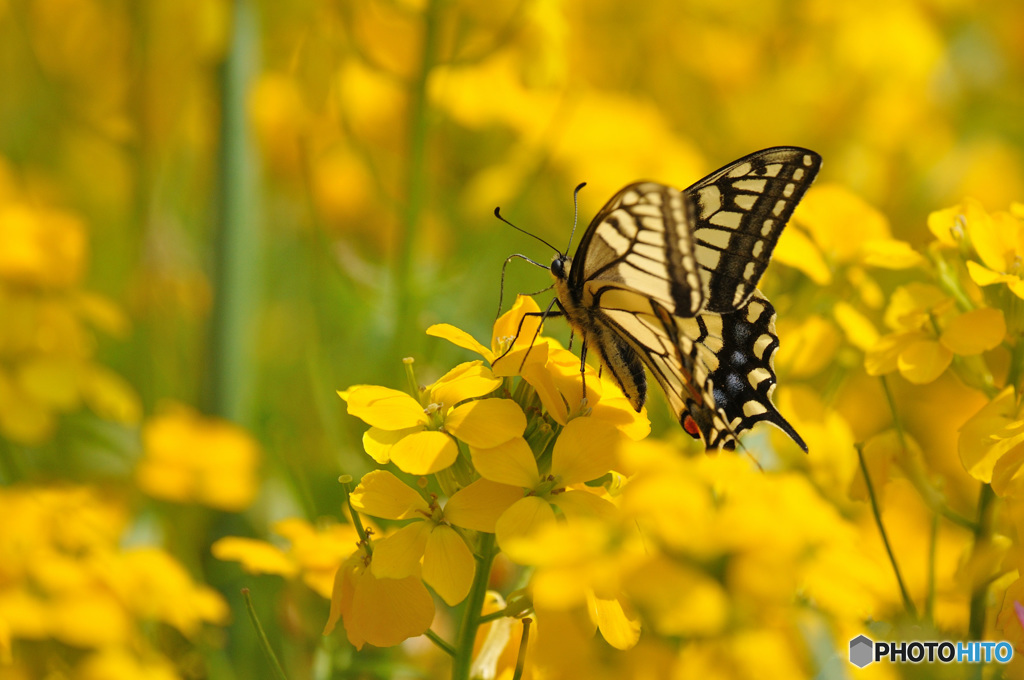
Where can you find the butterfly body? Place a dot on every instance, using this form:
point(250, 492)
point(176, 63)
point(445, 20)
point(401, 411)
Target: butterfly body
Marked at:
point(667, 279)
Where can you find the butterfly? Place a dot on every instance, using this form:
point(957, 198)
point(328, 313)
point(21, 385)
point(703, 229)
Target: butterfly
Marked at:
point(667, 280)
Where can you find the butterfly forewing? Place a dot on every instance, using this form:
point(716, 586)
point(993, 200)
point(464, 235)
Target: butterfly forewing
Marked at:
point(740, 211)
point(641, 239)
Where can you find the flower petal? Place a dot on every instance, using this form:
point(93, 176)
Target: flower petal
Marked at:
point(448, 564)
point(577, 504)
point(586, 449)
point(485, 423)
point(523, 519)
point(466, 381)
point(381, 494)
point(1016, 286)
point(619, 628)
point(890, 253)
point(256, 557)
point(479, 505)
point(377, 442)
point(543, 383)
point(386, 612)
point(616, 409)
point(796, 249)
point(858, 328)
point(398, 554)
point(424, 453)
point(883, 357)
point(975, 331)
point(990, 433)
point(989, 241)
point(984, 276)
point(385, 408)
point(509, 463)
point(944, 224)
point(515, 324)
point(459, 337)
point(924, 361)
point(1008, 473)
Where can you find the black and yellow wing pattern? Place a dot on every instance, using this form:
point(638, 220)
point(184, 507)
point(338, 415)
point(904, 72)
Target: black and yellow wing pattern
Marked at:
point(667, 279)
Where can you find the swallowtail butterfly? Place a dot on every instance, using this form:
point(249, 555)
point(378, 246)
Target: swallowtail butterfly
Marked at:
point(668, 279)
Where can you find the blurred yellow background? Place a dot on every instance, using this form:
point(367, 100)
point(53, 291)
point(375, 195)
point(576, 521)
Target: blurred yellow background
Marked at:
point(236, 208)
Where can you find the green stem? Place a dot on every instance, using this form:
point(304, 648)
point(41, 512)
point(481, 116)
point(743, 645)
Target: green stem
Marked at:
point(474, 605)
point(494, 616)
point(933, 543)
point(441, 644)
point(521, 659)
point(982, 536)
point(1016, 367)
point(275, 665)
point(908, 604)
point(237, 255)
point(416, 181)
point(949, 281)
point(357, 522)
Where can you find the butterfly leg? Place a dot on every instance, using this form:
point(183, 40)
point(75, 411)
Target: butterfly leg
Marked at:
point(546, 314)
point(583, 373)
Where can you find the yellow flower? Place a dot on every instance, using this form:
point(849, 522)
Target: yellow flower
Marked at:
point(998, 240)
point(994, 432)
point(586, 449)
point(419, 438)
point(928, 332)
point(193, 459)
point(121, 664)
point(429, 543)
point(553, 372)
point(64, 576)
point(315, 553)
point(515, 338)
point(42, 246)
point(582, 564)
point(155, 587)
point(381, 611)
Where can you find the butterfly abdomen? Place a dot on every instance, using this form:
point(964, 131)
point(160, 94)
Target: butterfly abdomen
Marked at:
point(586, 321)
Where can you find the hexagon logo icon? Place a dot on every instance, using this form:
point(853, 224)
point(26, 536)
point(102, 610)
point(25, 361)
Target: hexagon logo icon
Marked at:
point(861, 651)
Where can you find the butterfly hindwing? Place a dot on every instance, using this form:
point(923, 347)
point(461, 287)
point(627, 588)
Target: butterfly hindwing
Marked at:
point(737, 351)
point(715, 368)
point(740, 211)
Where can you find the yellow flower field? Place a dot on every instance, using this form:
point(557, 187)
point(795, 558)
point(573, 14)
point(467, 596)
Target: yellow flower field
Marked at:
point(277, 400)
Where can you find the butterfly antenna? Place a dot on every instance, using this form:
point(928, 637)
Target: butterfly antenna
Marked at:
point(501, 293)
point(575, 213)
point(497, 213)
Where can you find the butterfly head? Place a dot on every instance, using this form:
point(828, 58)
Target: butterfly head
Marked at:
point(560, 267)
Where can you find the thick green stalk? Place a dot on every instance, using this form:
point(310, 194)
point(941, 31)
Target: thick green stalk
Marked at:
point(406, 309)
point(237, 281)
point(982, 536)
point(474, 605)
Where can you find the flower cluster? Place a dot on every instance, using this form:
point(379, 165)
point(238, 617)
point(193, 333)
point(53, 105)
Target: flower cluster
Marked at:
point(47, 341)
point(602, 531)
point(70, 591)
point(188, 458)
